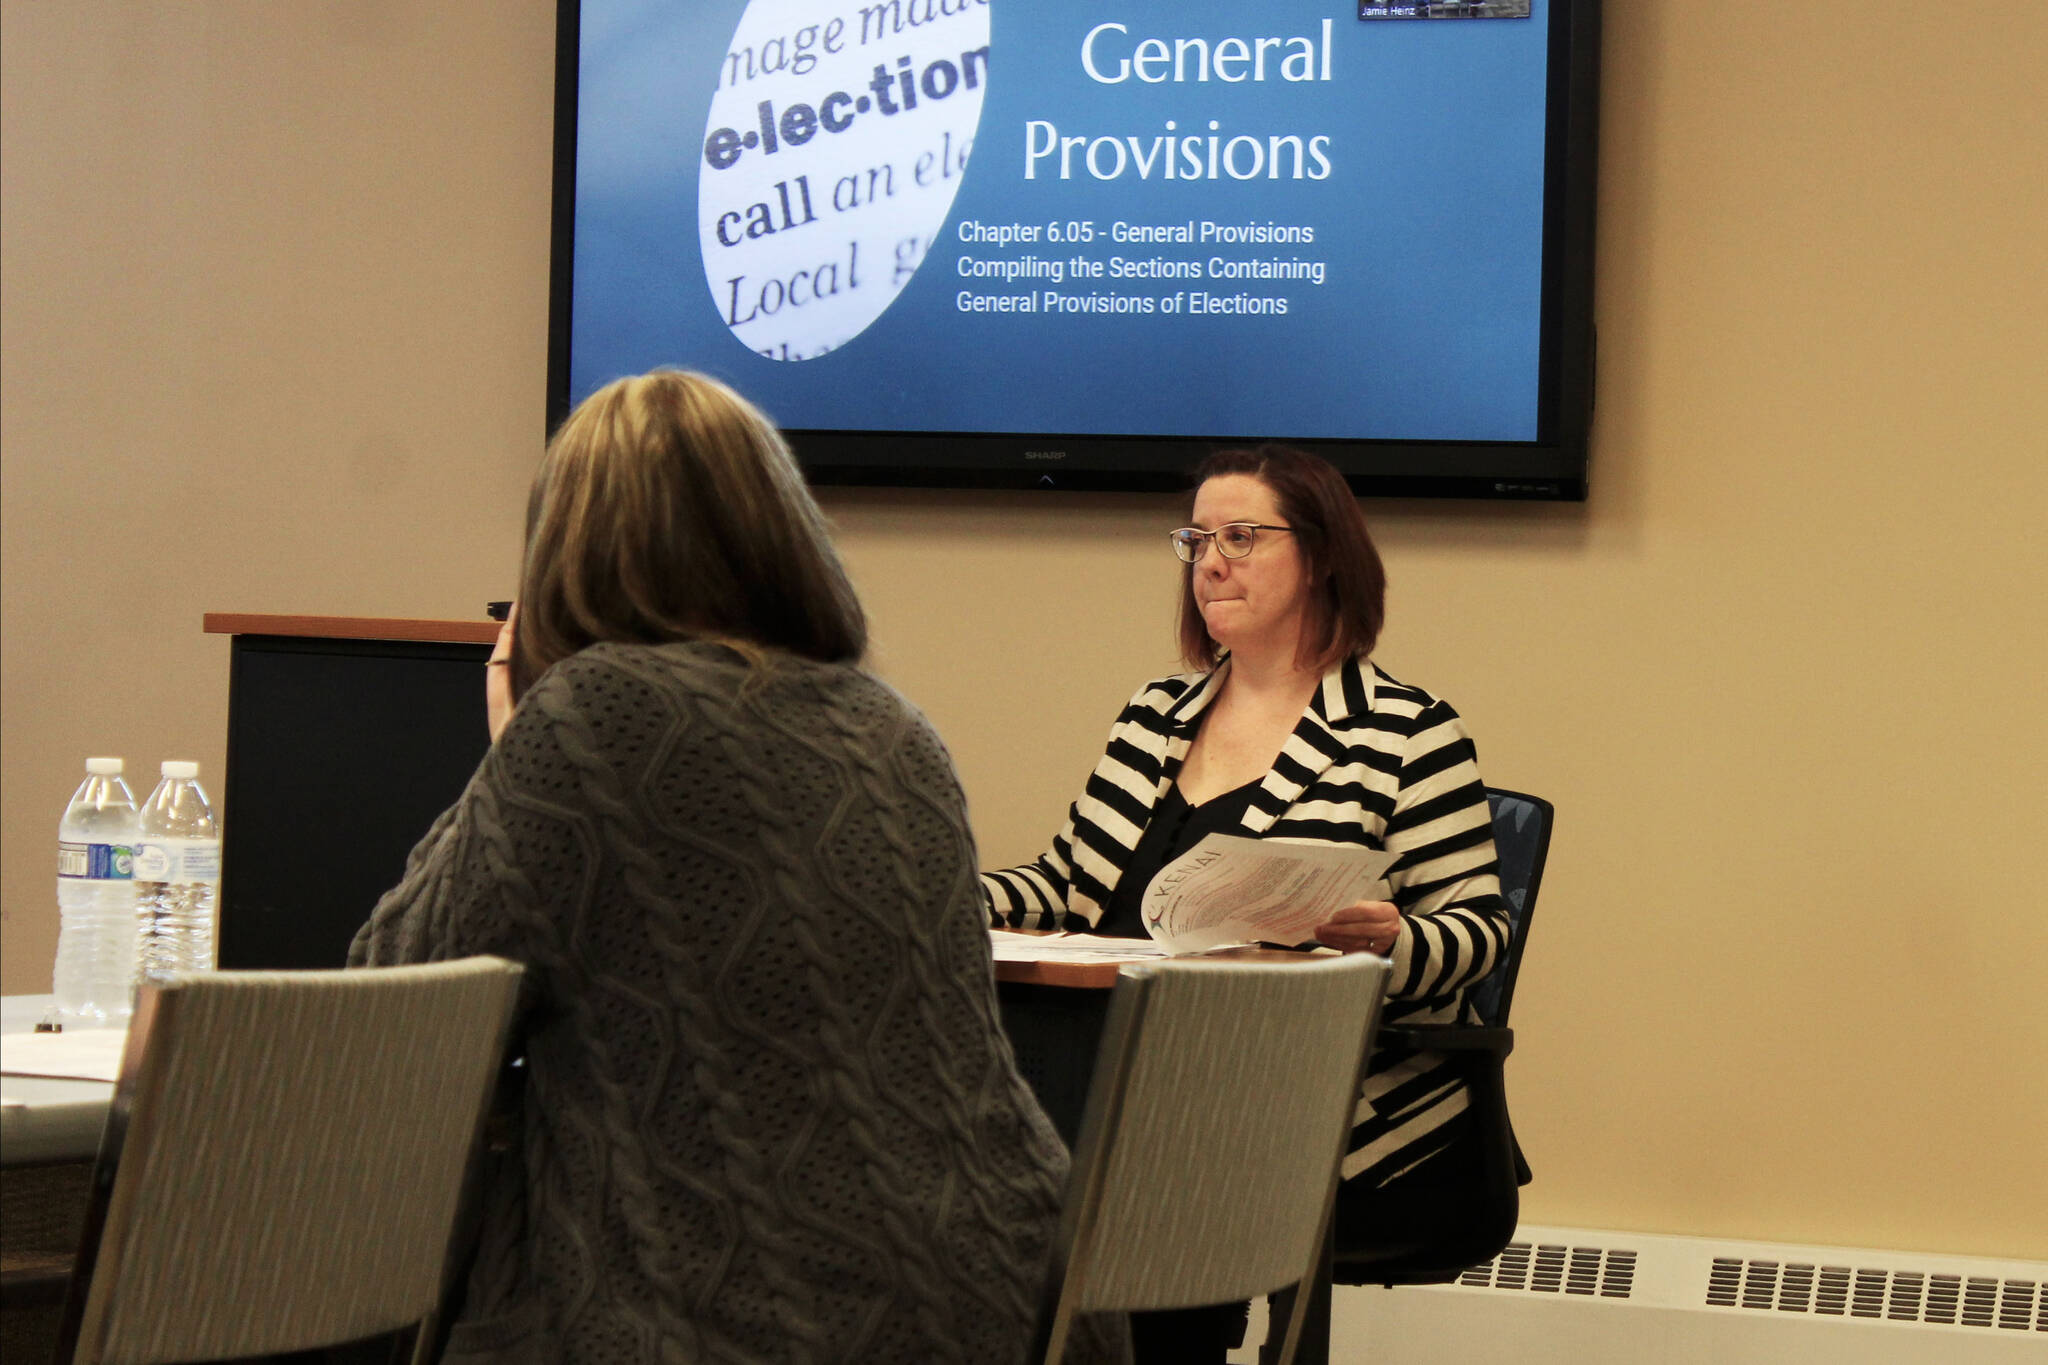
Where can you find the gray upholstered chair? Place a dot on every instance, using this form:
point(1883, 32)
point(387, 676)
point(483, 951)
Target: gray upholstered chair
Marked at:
point(284, 1159)
point(1208, 1153)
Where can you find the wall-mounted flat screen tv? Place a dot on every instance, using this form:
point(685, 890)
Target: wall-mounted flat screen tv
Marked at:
point(1067, 244)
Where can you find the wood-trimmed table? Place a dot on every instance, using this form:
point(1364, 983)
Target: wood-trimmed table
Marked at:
point(1053, 1011)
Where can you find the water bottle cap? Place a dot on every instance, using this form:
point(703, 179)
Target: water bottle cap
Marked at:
point(103, 767)
point(177, 768)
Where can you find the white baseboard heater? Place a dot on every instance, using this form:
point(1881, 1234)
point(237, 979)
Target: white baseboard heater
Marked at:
point(1570, 1296)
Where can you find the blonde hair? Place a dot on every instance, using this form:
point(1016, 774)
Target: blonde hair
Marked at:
point(669, 508)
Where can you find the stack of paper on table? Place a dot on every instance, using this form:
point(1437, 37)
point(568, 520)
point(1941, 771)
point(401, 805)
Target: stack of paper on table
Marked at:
point(1226, 890)
point(75, 1055)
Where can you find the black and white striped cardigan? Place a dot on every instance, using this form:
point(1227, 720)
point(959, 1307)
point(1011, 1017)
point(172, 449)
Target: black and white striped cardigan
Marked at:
point(1372, 761)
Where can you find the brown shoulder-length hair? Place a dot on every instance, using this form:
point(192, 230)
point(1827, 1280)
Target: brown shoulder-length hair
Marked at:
point(669, 508)
point(1347, 599)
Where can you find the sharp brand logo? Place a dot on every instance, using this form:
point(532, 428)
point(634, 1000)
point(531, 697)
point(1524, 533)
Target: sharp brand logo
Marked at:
point(1045, 454)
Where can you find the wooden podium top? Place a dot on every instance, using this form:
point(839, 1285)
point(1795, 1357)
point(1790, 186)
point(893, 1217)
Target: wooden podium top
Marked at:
point(353, 628)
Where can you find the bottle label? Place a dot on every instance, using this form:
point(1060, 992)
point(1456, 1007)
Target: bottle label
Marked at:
point(177, 860)
point(96, 862)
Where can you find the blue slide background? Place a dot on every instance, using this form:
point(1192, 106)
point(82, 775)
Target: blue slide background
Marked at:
point(1427, 327)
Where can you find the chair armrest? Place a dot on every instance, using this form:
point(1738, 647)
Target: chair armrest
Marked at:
point(1477, 1056)
point(1482, 1059)
point(1498, 1042)
point(1480, 1055)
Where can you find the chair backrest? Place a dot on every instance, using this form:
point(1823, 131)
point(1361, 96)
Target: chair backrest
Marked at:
point(1521, 837)
point(1208, 1156)
point(284, 1158)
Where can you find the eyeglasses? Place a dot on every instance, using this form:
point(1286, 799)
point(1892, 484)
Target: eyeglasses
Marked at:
point(1234, 539)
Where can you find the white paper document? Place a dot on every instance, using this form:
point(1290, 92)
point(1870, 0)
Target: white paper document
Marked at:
point(1230, 889)
point(75, 1054)
point(1065, 946)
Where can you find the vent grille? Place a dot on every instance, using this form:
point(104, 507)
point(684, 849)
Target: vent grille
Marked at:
point(1814, 1288)
point(1894, 1295)
point(1549, 1268)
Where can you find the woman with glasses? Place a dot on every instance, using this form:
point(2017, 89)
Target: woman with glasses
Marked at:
point(1284, 728)
point(768, 1111)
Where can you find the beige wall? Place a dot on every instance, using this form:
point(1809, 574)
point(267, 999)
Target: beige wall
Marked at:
point(274, 303)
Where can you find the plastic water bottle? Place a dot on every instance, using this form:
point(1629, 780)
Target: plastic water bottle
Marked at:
point(95, 982)
point(177, 873)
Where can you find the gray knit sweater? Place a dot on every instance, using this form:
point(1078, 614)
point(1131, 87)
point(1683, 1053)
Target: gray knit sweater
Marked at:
point(769, 1114)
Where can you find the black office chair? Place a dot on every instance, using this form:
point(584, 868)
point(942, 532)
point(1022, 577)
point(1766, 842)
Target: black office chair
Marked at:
point(1521, 837)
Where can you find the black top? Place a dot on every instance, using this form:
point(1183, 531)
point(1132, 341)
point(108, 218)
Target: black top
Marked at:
point(1175, 828)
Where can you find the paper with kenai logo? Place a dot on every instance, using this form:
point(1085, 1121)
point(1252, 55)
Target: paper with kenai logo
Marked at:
point(1228, 889)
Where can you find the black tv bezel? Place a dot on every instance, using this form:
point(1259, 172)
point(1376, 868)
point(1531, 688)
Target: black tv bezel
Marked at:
point(1554, 467)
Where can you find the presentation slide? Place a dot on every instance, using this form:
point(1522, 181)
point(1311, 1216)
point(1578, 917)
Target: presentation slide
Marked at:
point(1196, 219)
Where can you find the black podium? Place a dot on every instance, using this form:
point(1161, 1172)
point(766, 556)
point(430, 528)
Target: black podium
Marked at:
point(346, 737)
